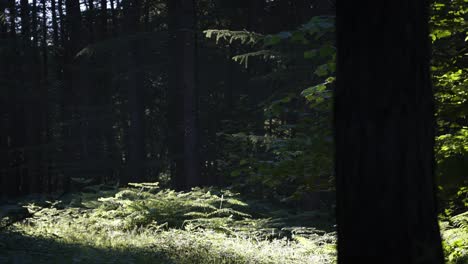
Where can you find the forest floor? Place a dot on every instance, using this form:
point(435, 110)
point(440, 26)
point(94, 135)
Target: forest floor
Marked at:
point(145, 224)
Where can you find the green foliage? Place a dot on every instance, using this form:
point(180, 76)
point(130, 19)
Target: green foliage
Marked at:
point(458, 202)
point(293, 156)
point(200, 226)
point(450, 78)
point(200, 208)
point(455, 235)
point(143, 224)
point(453, 143)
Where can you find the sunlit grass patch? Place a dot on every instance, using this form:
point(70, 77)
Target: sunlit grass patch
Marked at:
point(143, 224)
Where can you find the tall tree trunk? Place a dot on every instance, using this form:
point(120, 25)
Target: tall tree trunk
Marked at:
point(73, 26)
point(34, 25)
point(69, 102)
point(135, 87)
point(183, 38)
point(131, 11)
point(8, 183)
point(45, 67)
point(136, 131)
point(147, 16)
point(12, 18)
point(27, 173)
point(103, 33)
point(91, 20)
point(175, 113)
point(55, 30)
point(62, 23)
point(3, 111)
point(3, 24)
point(25, 21)
point(4, 166)
point(114, 18)
point(44, 113)
point(384, 135)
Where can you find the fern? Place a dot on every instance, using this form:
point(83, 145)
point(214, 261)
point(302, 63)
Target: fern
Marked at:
point(244, 37)
point(455, 235)
point(264, 54)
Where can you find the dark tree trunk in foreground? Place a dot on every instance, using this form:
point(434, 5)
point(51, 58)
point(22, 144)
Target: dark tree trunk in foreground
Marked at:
point(384, 123)
point(183, 94)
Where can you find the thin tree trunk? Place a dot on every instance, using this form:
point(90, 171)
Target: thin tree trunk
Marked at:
point(55, 30)
point(61, 17)
point(184, 79)
point(91, 20)
point(3, 25)
point(73, 26)
point(147, 16)
point(9, 183)
point(113, 17)
point(12, 11)
point(69, 102)
point(136, 143)
point(44, 113)
point(4, 166)
point(175, 113)
point(3, 113)
point(44, 40)
point(25, 21)
point(135, 86)
point(384, 135)
point(34, 25)
point(103, 16)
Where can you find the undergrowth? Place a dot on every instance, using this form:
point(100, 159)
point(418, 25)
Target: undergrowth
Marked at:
point(145, 224)
point(455, 239)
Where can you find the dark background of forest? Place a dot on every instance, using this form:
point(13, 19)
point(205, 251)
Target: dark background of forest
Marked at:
point(96, 92)
point(87, 95)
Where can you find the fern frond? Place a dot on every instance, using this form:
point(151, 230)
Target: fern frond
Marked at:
point(264, 54)
point(244, 37)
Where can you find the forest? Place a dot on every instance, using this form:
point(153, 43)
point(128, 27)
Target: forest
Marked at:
point(233, 131)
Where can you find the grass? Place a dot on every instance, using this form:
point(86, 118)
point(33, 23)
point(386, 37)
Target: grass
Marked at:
point(144, 224)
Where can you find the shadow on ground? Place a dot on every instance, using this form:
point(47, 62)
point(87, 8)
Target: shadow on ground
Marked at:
point(16, 248)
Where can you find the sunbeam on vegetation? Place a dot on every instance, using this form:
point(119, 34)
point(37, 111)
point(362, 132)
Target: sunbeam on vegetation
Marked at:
point(144, 224)
point(233, 131)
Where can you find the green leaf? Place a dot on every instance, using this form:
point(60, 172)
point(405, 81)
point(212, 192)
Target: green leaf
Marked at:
point(326, 51)
point(310, 54)
point(321, 70)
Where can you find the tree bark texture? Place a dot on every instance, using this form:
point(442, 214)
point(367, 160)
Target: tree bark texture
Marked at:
point(384, 134)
